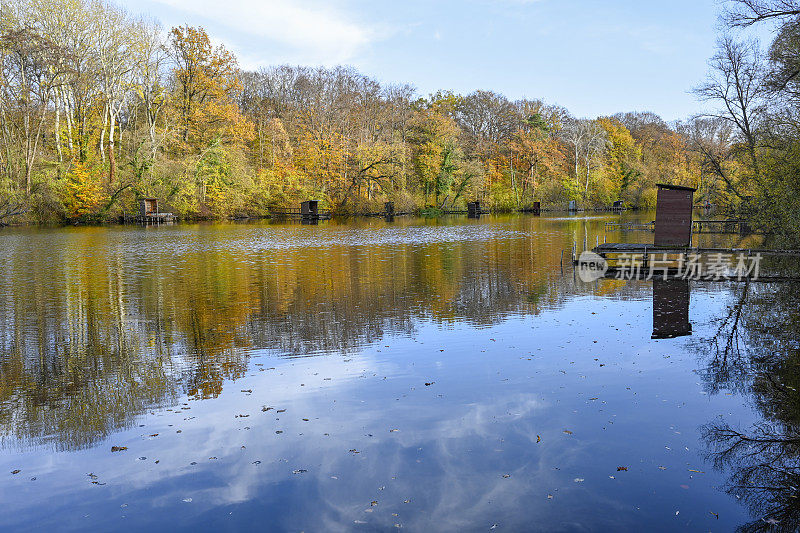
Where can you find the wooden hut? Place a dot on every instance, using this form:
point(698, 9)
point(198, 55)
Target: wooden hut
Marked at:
point(388, 209)
point(674, 215)
point(147, 207)
point(474, 209)
point(573, 205)
point(309, 209)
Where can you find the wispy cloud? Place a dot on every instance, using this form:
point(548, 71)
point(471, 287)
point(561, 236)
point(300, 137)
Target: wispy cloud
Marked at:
point(307, 31)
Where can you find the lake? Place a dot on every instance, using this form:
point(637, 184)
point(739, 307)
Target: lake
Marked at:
point(433, 375)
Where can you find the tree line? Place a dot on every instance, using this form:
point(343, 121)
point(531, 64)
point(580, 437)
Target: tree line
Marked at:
point(99, 108)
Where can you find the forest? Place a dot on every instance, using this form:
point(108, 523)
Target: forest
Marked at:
point(99, 107)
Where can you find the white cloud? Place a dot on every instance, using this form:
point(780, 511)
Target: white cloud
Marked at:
point(308, 32)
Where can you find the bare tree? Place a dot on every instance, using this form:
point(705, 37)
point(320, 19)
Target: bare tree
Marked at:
point(736, 84)
point(743, 13)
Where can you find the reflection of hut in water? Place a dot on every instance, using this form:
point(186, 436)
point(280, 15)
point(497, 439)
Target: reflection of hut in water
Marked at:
point(674, 215)
point(474, 209)
point(671, 308)
point(573, 205)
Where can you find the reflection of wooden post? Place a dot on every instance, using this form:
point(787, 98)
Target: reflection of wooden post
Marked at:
point(671, 308)
point(674, 215)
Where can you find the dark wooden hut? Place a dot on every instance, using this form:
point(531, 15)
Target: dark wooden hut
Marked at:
point(674, 215)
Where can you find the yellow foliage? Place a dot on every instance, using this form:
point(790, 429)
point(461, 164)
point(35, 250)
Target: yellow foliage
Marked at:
point(83, 192)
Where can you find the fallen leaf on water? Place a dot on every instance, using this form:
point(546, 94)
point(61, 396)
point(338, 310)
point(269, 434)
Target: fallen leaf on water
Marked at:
point(118, 448)
point(578, 480)
point(373, 503)
point(538, 439)
point(247, 390)
point(265, 408)
point(568, 432)
point(715, 514)
point(154, 435)
point(16, 471)
point(662, 467)
point(299, 471)
point(187, 500)
point(354, 451)
point(698, 471)
point(506, 475)
point(549, 496)
point(622, 469)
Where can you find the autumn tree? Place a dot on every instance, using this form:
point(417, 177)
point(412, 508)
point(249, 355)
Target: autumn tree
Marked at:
point(208, 82)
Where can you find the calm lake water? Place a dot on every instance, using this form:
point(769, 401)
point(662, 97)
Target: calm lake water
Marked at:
point(431, 375)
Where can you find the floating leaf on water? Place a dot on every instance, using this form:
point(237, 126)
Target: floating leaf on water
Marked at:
point(354, 451)
point(622, 469)
point(538, 439)
point(118, 448)
point(578, 480)
point(568, 432)
point(281, 411)
point(715, 514)
point(506, 475)
point(428, 384)
point(698, 471)
point(187, 500)
point(247, 390)
point(662, 467)
point(265, 408)
point(16, 471)
point(373, 503)
point(549, 496)
point(256, 462)
point(299, 471)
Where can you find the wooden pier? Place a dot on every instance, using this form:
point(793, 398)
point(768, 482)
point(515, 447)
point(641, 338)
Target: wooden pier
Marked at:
point(721, 226)
point(630, 226)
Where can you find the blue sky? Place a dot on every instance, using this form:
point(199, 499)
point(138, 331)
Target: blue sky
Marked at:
point(593, 57)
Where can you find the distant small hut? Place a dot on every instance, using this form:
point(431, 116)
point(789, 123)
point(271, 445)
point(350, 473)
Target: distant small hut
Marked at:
point(149, 213)
point(474, 209)
point(573, 205)
point(388, 209)
point(617, 205)
point(309, 209)
point(148, 206)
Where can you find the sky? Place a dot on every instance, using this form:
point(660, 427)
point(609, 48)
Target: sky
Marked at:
point(593, 57)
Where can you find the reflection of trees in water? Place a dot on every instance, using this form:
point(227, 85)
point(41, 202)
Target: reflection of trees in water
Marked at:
point(92, 337)
point(757, 351)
